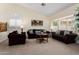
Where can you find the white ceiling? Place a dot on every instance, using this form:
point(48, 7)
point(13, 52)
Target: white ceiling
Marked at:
point(50, 8)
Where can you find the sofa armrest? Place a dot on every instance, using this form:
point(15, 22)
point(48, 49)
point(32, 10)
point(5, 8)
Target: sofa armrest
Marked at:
point(71, 36)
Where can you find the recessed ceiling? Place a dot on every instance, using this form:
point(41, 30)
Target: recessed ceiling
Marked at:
point(49, 8)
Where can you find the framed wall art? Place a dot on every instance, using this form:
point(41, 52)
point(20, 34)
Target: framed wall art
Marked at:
point(36, 23)
point(3, 27)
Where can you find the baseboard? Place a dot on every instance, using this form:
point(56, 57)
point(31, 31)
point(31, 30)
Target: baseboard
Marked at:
point(2, 40)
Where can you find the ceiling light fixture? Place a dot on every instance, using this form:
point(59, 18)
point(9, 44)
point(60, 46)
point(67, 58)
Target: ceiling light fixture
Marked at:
point(43, 4)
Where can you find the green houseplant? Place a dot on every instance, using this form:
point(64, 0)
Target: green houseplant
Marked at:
point(77, 19)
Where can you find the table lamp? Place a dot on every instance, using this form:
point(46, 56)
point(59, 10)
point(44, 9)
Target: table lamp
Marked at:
point(21, 28)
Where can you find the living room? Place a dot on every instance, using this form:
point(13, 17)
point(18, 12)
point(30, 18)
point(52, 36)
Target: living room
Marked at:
point(47, 20)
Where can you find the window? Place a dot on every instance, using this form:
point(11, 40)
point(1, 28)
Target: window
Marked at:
point(15, 22)
point(64, 23)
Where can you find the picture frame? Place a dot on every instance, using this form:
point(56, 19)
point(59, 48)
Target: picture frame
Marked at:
point(55, 23)
point(36, 23)
point(3, 26)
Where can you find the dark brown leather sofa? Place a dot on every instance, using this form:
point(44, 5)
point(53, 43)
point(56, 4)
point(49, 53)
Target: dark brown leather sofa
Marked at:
point(67, 38)
point(15, 38)
point(33, 33)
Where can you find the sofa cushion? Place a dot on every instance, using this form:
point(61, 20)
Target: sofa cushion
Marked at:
point(66, 32)
point(62, 32)
point(58, 32)
point(38, 32)
point(31, 31)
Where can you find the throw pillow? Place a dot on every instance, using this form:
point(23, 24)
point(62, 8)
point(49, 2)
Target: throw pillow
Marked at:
point(38, 32)
point(31, 31)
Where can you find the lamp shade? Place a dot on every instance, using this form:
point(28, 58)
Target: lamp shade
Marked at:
point(22, 26)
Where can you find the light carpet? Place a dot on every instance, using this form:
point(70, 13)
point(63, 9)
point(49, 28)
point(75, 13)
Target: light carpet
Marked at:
point(53, 47)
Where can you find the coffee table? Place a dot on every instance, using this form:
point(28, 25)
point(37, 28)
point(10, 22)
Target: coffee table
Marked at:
point(43, 37)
